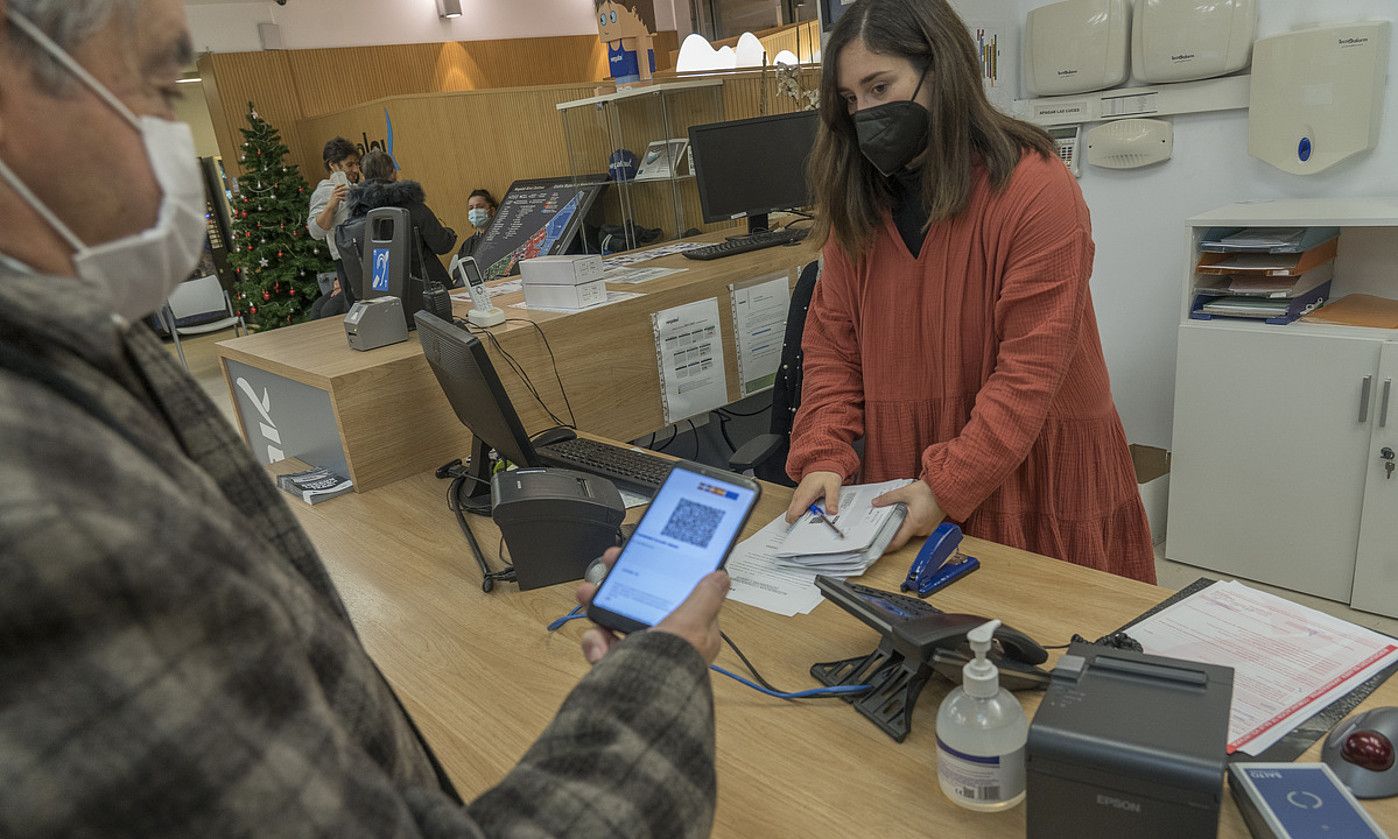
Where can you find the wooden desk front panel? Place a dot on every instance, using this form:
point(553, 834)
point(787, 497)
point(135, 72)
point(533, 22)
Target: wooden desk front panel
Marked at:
point(483, 678)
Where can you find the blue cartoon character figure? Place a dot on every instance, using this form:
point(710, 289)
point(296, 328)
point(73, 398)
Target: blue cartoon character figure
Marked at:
point(626, 27)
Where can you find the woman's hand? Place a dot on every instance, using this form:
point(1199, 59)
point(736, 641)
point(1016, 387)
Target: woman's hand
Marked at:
point(815, 487)
point(924, 513)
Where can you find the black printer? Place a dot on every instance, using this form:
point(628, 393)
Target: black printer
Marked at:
point(1127, 744)
point(555, 521)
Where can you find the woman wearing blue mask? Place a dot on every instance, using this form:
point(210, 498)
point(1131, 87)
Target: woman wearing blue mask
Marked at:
point(952, 329)
point(480, 211)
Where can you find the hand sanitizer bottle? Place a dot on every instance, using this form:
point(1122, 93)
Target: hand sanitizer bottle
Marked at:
point(981, 732)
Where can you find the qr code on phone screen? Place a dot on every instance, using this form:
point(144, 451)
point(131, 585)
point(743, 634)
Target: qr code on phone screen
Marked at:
point(693, 523)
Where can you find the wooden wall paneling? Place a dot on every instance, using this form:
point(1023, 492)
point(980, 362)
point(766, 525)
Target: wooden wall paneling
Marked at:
point(259, 77)
point(331, 80)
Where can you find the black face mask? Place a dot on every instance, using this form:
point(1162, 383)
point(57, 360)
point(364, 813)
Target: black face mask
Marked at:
point(891, 135)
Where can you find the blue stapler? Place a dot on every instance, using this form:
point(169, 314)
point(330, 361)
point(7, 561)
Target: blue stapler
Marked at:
point(939, 563)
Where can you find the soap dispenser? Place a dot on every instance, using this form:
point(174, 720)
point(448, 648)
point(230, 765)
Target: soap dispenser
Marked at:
point(981, 734)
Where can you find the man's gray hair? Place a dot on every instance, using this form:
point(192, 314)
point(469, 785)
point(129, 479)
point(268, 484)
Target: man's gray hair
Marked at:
point(68, 23)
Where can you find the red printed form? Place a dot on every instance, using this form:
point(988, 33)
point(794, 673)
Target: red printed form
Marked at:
point(1289, 661)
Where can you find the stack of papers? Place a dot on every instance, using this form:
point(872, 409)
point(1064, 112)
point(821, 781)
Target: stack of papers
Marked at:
point(1289, 662)
point(775, 569)
point(1262, 238)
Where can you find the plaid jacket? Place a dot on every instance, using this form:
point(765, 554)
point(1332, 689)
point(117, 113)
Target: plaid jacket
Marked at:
point(174, 660)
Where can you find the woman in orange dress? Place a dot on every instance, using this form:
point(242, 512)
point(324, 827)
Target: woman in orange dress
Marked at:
point(952, 328)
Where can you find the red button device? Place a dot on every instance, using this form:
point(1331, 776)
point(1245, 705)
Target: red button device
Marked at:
point(1368, 750)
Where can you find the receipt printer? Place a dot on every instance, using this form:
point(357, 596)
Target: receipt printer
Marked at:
point(555, 521)
point(375, 323)
point(1126, 744)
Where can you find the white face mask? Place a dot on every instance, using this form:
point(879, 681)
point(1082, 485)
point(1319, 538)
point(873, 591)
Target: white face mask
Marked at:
point(479, 217)
point(139, 271)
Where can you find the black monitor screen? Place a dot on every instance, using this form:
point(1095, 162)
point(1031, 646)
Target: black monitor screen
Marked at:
point(475, 392)
point(753, 166)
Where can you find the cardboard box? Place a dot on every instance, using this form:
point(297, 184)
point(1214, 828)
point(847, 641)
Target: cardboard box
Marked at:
point(1153, 479)
point(578, 296)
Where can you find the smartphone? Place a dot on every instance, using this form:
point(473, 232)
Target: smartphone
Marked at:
point(339, 179)
point(687, 532)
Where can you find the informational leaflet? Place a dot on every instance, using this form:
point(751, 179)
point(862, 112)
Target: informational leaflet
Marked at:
point(759, 324)
point(635, 276)
point(1289, 662)
point(629, 258)
point(689, 353)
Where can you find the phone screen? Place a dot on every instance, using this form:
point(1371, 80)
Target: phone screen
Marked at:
point(686, 533)
point(472, 271)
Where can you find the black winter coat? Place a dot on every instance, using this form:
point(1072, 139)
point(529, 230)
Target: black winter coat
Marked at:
point(436, 237)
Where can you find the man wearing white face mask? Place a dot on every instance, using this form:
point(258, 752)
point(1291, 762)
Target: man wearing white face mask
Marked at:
point(174, 659)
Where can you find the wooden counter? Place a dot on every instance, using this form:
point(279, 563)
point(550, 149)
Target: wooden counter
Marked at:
point(387, 414)
point(482, 677)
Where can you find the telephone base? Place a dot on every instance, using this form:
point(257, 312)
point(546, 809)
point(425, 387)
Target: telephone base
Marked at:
point(494, 316)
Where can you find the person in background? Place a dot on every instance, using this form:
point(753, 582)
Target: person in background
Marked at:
point(175, 659)
point(381, 188)
point(480, 211)
point(952, 328)
point(329, 209)
point(331, 301)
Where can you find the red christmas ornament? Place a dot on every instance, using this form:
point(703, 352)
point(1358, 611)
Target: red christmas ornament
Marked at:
point(252, 310)
point(249, 248)
point(266, 296)
point(247, 234)
point(292, 292)
point(279, 253)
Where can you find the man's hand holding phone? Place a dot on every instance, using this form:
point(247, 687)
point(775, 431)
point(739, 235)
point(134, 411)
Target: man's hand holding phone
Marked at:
point(695, 620)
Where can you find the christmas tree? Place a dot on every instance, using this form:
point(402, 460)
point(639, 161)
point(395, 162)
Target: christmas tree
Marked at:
point(276, 259)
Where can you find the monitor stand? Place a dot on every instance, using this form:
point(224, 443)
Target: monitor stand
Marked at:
point(475, 496)
point(758, 223)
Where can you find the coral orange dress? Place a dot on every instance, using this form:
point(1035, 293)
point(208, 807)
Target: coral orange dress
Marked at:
point(976, 366)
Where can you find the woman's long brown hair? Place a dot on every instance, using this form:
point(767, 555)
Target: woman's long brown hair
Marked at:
point(851, 197)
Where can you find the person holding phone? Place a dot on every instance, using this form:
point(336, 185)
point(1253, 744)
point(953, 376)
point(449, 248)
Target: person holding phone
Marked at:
point(952, 328)
point(329, 205)
point(178, 661)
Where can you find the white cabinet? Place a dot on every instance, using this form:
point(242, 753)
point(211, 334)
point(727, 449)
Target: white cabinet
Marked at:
point(1376, 569)
point(1278, 472)
point(1267, 475)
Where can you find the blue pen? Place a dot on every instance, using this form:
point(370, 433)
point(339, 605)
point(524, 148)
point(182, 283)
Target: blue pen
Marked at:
point(820, 514)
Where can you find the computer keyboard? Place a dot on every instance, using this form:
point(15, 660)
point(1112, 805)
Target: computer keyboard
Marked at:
point(631, 469)
point(908, 608)
point(751, 242)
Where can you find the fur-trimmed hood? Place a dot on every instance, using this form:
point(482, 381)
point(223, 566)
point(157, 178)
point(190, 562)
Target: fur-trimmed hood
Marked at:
point(371, 195)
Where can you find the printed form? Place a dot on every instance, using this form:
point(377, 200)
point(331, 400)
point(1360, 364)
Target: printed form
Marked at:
point(759, 324)
point(1289, 662)
point(689, 352)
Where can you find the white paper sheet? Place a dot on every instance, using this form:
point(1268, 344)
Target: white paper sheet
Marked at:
point(689, 352)
point(1289, 662)
point(858, 518)
point(759, 580)
point(636, 276)
point(612, 297)
point(759, 325)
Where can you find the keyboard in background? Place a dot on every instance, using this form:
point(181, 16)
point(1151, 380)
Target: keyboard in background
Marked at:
point(751, 242)
point(633, 470)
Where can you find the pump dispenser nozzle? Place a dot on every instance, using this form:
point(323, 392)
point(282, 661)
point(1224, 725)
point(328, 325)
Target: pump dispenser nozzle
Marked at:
point(979, 677)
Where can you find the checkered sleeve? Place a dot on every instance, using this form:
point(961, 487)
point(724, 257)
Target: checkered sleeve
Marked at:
point(630, 754)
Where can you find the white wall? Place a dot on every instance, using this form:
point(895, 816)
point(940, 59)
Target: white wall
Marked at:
point(1138, 219)
point(307, 24)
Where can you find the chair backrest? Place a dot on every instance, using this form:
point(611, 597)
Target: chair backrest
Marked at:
point(786, 390)
point(197, 297)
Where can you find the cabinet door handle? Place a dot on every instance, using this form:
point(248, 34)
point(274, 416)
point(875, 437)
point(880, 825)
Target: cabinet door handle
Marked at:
point(1364, 399)
point(1383, 403)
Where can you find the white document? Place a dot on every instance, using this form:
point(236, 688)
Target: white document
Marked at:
point(612, 297)
point(760, 580)
point(641, 275)
point(759, 325)
point(689, 352)
point(1289, 662)
point(860, 520)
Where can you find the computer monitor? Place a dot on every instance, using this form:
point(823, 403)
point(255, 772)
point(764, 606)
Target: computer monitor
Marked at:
point(476, 394)
point(752, 167)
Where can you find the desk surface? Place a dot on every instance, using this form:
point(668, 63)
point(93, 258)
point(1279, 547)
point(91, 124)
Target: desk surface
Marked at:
point(482, 677)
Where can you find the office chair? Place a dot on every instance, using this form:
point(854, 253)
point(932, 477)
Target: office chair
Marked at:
point(766, 454)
